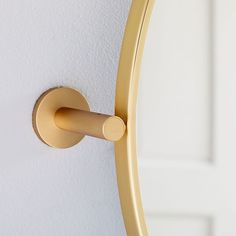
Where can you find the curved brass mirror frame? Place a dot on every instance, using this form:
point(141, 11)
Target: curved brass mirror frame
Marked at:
point(125, 107)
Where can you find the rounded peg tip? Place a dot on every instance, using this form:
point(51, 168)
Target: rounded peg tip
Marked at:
point(114, 128)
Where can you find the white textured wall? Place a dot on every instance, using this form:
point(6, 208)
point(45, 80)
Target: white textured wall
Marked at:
point(75, 43)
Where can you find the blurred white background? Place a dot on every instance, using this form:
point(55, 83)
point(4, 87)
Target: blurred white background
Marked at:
point(186, 119)
point(186, 128)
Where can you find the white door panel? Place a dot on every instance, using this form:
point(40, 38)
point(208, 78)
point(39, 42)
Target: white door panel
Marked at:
point(179, 225)
point(177, 81)
point(186, 130)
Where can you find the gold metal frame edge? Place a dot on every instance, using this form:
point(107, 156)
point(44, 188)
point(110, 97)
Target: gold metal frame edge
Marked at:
point(125, 107)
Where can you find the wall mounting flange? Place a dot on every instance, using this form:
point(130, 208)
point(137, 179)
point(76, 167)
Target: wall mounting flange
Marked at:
point(44, 116)
point(61, 118)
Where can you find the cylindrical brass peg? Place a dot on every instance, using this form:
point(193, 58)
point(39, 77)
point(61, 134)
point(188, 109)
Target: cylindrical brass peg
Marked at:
point(102, 126)
point(61, 118)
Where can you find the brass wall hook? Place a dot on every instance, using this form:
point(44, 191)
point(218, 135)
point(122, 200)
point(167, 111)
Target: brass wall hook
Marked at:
point(61, 118)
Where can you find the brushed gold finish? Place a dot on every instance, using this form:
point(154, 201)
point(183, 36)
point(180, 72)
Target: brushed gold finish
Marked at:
point(61, 119)
point(44, 114)
point(107, 127)
point(125, 107)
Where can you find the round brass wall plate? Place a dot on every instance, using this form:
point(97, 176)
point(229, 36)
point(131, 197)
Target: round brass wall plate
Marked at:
point(44, 113)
